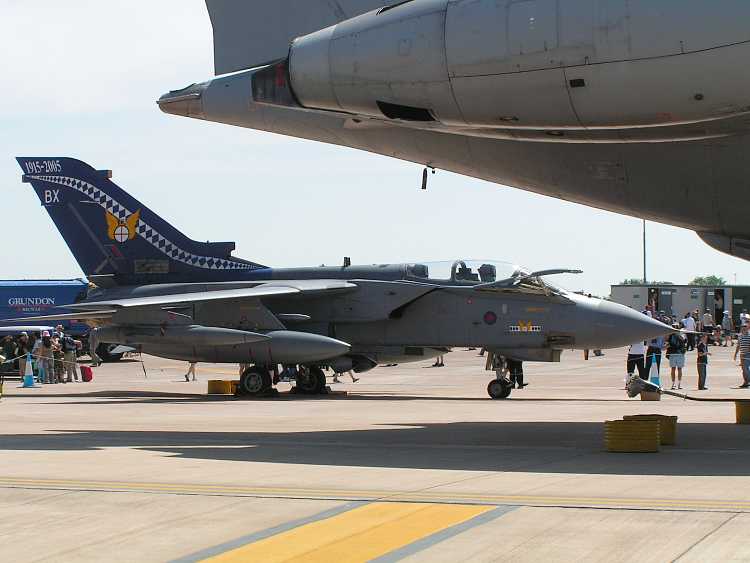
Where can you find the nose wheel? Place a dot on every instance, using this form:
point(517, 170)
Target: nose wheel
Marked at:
point(499, 388)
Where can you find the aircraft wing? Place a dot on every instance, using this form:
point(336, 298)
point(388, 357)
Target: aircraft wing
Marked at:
point(249, 34)
point(251, 295)
point(269, 289)
point(5, 330)
point(82, 316)
point(182, 298)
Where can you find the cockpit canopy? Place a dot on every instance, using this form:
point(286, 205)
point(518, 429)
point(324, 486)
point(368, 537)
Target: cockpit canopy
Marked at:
point(479, 273)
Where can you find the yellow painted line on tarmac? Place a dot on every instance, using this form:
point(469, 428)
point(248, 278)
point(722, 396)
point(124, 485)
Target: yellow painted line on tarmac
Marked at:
point(360, 534)
point(432, 496)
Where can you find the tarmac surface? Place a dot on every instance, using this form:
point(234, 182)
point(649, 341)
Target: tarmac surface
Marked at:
point(414, 463)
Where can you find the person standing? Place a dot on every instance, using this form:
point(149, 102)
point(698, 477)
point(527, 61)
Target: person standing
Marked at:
point(676, 355)
point(743, 349)
point(191, 371)
point(744, 317)
point(8, 348)
point(59, 359)
point(635, 360)
point(438, 362)
point(70, 358)
point(515, 368)
point(727, 329)
point(93, 346)
point(653, 354)
point(23, 350)
point(702, 362)
point(688, 323)
point(708, 322)
point(46, 359)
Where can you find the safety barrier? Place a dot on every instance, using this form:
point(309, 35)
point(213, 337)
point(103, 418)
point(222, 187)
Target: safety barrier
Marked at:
point(667, 426)
point(632, 436)
point(742, 411)
point(222, 387)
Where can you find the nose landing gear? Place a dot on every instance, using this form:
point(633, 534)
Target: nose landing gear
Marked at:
point(499, 388)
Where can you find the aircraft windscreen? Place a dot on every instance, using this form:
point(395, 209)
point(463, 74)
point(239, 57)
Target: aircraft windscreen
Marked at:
point(463, 271)
point(477, 272)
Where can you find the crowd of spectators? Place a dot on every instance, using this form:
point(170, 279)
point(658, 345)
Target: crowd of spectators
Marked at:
point(697, 332)
point(53, 355)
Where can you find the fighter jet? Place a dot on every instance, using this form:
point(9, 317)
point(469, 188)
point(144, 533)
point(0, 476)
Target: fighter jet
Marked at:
point(173, 297)
point(639, 107)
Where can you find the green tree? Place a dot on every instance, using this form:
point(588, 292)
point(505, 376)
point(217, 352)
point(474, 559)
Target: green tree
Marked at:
point(639, 281)
point(711, 281)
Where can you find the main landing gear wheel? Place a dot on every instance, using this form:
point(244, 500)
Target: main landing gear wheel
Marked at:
point(255, 381)
point(499, 388)
point(311, 381)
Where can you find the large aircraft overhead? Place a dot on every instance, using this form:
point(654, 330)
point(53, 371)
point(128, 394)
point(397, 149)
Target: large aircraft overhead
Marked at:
point(635, 106)
point(178, 298)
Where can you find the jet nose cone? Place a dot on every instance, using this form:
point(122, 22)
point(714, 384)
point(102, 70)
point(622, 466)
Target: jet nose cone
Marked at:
point(611, 325)
point(187, 102)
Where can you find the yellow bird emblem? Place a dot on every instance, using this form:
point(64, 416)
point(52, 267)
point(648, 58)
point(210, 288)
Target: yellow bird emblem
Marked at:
point(122, 231)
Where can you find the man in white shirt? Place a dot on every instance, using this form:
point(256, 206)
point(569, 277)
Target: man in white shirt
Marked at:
point(688, 323)
point(636, 360)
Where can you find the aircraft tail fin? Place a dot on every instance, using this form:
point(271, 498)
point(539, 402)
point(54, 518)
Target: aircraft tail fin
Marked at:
point(110, 233)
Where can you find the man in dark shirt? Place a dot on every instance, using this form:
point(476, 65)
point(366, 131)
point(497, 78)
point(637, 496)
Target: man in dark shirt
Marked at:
point(703, 355)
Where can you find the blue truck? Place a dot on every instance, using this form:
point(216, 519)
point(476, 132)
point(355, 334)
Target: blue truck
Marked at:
point(31, 298)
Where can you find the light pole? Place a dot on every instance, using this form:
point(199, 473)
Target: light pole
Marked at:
point(645, 279)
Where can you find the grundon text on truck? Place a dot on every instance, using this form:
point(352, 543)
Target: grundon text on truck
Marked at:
point(32, 298)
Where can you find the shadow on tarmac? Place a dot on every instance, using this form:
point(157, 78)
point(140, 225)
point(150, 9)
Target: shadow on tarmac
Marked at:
point(161, 397)
point(545, 447)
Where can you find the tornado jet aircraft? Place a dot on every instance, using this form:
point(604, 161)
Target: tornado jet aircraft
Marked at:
point(173, 297)
point(640, 107)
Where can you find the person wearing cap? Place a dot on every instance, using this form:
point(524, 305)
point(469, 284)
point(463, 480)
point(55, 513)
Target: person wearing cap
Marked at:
point(727, 329)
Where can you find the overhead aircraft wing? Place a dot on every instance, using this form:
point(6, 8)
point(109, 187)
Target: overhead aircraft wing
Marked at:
point(249, 34)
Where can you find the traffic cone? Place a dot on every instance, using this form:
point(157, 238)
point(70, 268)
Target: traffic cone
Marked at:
point(653, 375)
point(28, 374)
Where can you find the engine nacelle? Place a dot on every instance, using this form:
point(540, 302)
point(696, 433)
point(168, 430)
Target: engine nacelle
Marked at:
point(533, 64)
point(388, 62)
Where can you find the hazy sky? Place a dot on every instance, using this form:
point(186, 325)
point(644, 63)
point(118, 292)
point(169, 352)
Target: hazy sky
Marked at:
point(80, 78)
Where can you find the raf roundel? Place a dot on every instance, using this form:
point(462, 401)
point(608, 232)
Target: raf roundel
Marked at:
point(490, 318)
point(121, 234)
